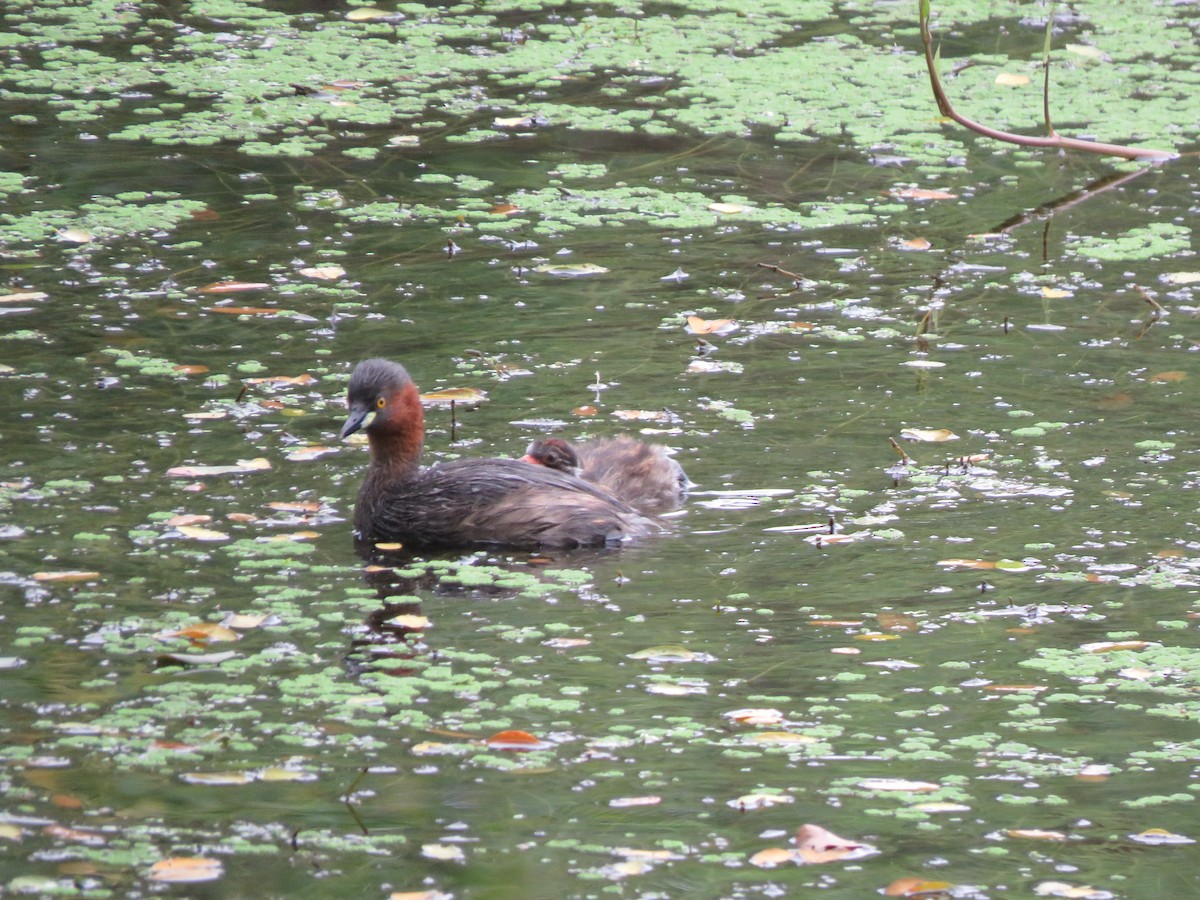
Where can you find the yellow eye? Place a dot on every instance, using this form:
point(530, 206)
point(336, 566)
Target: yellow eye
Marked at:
point(380, 402)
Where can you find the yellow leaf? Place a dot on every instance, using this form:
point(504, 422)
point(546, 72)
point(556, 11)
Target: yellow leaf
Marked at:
point(1012, 79)
point(697, 325)
point(929, 435)
point(1050, 293)
point(196, 533)
point(772, 857)
point(233, 287)
point(625, 802)
point(443, 852)
point(67, 576)
point(186, 869)
point(324, 273)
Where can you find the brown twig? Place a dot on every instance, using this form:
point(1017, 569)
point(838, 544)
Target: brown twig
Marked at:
point(1053, 140)
point(904, 457)
point(1154, 304)
point(773, 268)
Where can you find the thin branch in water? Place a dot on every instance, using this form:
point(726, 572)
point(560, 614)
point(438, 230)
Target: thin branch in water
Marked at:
point(1053, 141)
point(776, 269)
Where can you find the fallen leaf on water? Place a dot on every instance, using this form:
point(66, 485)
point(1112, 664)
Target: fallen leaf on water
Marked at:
point(1012, 79)
point(1087, 51)
point(565, 643)
point(290, 536)
point(1004, 565)
point(73, 235)
point(897, 621)
point(283, 379)
point(78, 835)
point(626, 802)
point(760, 801)
point(1036, 834)
point(570, 270)
point(249, 620)
point(929, 435)
point(643, 415)
point(923, 194)
point(836, 623)
point(714, 367)
point(779, 737)
point(516, 740)
point(918, 243)
point(504, 209)
point(666, 653)
point(410, 620)
point(1050, 293)
point(815, 844)
point(1167, 377)
point(75, 575)
point(898, 784)
point(367, 14)
point(233, 287)
point(294, 506)
point(443, 853)
point(584, 411)
point(912, 887)
point(217, 779)
point(941, 806)
point(1160, 836)
point(197, 533)
point(204, 416)
point(697, 325)
point(772, 857)
point(514, 121)
point(1182, 277)
point(23, 297)
point(303, 454)
point(1015, 688)
point(192, 370)
point(257, 464)
point(324, 273)
point(279, 773)
point(727, 209)
point(1109, 646)
point(246, 310)
point(458, 395)
point(755, 716)
point(205, 632)
point(186, 870)
point(1075, 891)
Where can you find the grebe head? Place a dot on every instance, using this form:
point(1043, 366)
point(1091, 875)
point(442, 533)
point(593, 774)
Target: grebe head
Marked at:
point(553, 453)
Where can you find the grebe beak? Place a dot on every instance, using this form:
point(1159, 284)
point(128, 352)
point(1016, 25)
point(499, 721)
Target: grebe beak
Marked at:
point(358, 415)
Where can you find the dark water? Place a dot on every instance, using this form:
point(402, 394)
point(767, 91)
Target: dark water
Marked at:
point(1089, 482)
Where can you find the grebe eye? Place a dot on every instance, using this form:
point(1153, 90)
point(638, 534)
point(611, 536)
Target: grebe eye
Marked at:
point(380, 402)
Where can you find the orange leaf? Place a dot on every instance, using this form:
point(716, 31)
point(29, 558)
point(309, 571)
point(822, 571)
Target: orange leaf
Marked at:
point(233, 287)
point(244, 310)
point(1166, 377)
point(65, 576)
point(818, 845)
point(283, 379)
point(697, 325)
point(910, 887)
point(191, 370)
point(186, 869)
point(515, 740)
point(923, 194)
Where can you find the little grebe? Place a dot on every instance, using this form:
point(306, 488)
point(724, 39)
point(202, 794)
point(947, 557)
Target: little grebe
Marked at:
point(641, 474)
point(467, 502)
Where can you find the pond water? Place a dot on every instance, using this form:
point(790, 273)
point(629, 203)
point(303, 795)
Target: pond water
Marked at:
point(987, 672)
